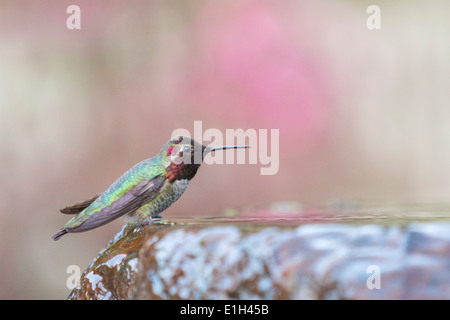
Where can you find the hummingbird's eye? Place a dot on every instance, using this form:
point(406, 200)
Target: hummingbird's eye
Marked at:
point(186, 149)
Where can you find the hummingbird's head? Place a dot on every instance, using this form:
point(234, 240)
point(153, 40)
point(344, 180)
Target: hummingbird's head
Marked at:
point(185, 151)
point(186, 156)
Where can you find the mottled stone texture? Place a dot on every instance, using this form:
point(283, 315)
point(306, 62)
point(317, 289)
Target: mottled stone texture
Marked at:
point(248, 261)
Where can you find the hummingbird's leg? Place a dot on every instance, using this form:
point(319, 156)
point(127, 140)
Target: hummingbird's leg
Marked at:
point(152, 220)
point(156, 218)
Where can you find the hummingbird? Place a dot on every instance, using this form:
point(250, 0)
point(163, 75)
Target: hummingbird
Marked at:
point(145, 190)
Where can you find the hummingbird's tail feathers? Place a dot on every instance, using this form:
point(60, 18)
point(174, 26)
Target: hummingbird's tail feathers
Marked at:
point(59, 234)
point(80, 206)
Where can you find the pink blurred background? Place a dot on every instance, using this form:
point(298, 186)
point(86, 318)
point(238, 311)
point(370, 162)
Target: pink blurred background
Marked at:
point(362, 113)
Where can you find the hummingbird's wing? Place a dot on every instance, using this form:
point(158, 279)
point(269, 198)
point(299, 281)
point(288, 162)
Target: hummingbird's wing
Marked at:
point(102, 211)
point(80, 206)
point(139, 195)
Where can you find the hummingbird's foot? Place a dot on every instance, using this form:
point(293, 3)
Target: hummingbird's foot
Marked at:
point(152, 220)
point(156, 218)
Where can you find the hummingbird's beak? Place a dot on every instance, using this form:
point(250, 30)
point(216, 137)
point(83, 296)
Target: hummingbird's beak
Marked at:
point(210, 149)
